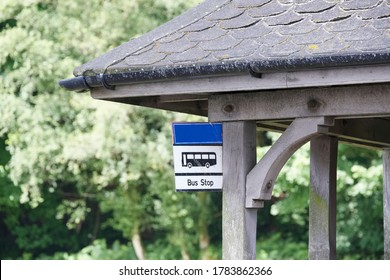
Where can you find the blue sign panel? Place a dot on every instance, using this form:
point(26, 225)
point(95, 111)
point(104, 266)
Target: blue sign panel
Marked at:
point(197, 154)
point(197, 133)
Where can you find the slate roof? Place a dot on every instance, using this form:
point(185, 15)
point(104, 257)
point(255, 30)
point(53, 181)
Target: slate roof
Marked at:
point(220, 36)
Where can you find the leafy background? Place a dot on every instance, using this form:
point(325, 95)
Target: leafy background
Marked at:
point(85, 179)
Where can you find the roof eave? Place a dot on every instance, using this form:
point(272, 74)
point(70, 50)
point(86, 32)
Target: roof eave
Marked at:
point(255, 68)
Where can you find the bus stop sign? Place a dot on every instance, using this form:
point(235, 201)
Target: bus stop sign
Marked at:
point(197, 155)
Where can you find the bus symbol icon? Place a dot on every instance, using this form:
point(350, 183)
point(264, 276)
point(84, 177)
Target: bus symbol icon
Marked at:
point(198, 159)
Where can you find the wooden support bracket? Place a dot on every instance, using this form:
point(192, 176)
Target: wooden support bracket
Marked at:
point(261, 179)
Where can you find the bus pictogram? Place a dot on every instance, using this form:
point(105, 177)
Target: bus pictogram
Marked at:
point(198, 159)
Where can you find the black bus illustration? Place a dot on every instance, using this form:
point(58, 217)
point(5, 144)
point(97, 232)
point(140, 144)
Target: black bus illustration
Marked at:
point(198, 159)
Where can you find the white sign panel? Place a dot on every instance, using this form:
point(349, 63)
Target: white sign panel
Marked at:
point(197, 154)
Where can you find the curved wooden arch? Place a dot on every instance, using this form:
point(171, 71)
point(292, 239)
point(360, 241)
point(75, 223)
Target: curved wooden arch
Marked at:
point(261, 179)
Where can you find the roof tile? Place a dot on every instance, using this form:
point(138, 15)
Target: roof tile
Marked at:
point(176, 46)
point(270, 9)
point(383, 23)
point(171, 37)
point(282, 50)
point(272, 39)
point(333, 46)
point(226, 12)
point(254, 31)
point(144, 49)
point(332, 15)
point(245, 49)
point(146, 58)
point(289, 2)
point(366, 33)
point(238, 22)
point(359, 4)
point(199, 26)
point(380, 43)
point(222, 43)
point(314, 7)
point(284, 19)
point(206, 35)
point(381, 11)
point(315, 37)
point(302, 27)
point(349, 24)
point(250, 3)
point(191, 55)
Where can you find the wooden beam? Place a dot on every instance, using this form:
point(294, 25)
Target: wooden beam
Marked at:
point(239, 223)
point(193, 107)
point(239, 82)
point(322, 215)
point(368, 133)
point(374, 132)
point(194, 85)
point(341, 102)
point(356, 75)
point(262, 177)
point(386, 202)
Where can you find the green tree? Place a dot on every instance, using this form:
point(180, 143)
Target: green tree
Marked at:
point(65, 149)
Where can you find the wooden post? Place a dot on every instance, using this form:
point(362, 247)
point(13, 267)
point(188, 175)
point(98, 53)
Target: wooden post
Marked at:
point(386, 202)
point(239, 223)
point(322, 216)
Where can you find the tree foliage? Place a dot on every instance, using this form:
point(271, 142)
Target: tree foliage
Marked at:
point(85, 179)
point(359, 201)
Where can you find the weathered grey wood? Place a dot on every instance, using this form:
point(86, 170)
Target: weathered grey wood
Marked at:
point(342, 76)
point(237, 82)
point(322, 216)
point(262, 177)
point(239, 223)
point(351, 101)
point(371, 133)
point(386, 202)
point(368, 133)
point(245, 82)
point(194, 107)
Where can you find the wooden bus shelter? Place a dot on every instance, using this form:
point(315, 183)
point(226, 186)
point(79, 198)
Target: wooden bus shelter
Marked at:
point(316, 71)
